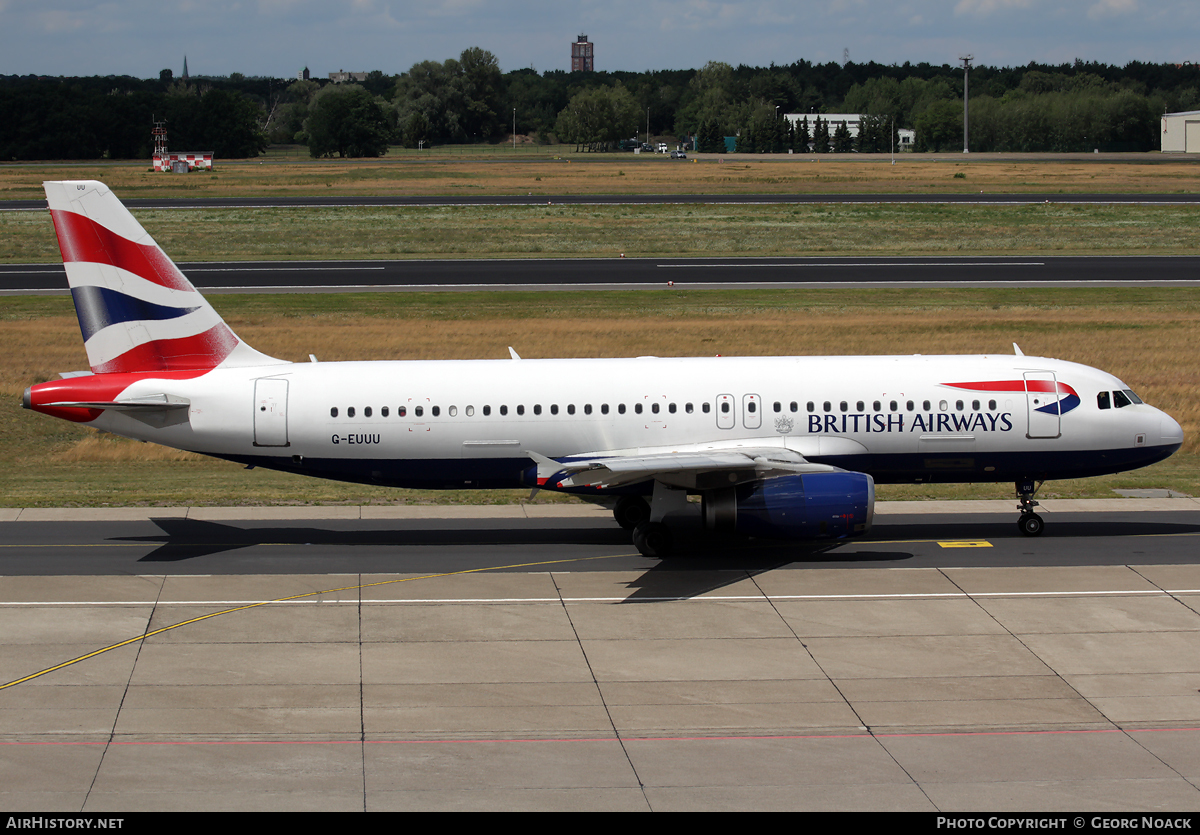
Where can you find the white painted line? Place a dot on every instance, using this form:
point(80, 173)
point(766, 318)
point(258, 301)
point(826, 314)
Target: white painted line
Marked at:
point(279, 269)
point(865, 264)
point(355, 601)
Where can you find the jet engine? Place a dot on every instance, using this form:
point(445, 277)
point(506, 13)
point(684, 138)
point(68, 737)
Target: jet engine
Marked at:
point(833, 505)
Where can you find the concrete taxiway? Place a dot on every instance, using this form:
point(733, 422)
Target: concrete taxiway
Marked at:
point(960, 684)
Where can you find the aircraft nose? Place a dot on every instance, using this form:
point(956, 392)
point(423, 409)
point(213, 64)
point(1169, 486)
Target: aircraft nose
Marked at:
point(1169, 430)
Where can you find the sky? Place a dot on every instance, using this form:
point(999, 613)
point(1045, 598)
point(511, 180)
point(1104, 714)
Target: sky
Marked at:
point(280, 37)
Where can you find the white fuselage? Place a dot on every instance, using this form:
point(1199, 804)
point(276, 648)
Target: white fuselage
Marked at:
point(469, 423)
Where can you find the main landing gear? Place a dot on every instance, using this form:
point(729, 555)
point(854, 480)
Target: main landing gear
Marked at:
point(652, 539)
point(1030, 523)
point(651, 536)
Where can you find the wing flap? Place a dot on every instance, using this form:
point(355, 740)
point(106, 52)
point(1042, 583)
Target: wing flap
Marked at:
point(688, 469)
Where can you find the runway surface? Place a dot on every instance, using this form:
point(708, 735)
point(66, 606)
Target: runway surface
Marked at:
point(517, 658)
point(642, 273)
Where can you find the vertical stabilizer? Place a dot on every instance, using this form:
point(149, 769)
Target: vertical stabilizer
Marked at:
point(137, 311)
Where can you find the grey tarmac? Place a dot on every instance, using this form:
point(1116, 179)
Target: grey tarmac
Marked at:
point(563, 671)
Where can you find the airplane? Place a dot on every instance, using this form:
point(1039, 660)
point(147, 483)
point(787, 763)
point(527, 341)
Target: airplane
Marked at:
point(785, 448)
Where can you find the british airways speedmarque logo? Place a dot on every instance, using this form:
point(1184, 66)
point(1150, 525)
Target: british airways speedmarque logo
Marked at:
point(1062, 400)
point(1051, 397)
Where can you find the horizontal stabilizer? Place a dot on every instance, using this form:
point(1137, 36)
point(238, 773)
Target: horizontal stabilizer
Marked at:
point(157, 410)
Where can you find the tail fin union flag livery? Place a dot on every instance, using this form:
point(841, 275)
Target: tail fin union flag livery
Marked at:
point(779, 447)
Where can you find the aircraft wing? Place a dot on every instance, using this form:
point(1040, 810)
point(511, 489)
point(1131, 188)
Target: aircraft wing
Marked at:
point(692, 469)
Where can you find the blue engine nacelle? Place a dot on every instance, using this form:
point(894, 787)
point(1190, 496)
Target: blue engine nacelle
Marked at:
point(811, 506)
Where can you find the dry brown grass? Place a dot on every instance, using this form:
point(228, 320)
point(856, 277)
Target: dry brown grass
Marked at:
point(1156, 352)
point(522, 173)
point(101, 447)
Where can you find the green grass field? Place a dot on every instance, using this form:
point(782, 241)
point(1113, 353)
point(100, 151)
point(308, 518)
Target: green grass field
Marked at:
point(391, 233)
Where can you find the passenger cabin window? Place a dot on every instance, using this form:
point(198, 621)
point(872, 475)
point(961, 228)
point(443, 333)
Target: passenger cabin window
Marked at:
point(705, 407)
point(435, 410)
point(384, 411)
point(333, 412)
point(350, 411)
point(419, 411)
point(401, 411)
point(367, 411)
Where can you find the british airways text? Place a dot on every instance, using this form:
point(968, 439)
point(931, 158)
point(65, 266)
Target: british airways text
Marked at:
point(934, 422)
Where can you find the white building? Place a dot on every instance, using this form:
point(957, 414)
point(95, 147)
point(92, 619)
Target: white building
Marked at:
point(853, 121)
point(1181, 132)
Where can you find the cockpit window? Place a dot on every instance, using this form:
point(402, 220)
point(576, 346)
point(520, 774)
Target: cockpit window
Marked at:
point(1120, 400)
point(1132, 397)
point(1102, 401)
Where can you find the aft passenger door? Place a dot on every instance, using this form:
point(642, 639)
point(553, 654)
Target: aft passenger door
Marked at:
point(270, 412)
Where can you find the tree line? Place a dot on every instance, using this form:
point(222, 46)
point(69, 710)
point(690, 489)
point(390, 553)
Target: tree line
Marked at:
point(468, 99)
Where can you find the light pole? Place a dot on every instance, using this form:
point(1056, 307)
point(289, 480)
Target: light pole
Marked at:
point(966, 59)
point(514, 129)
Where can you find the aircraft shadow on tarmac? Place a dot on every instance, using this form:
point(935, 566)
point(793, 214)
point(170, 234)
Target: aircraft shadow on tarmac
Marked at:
point(892, 541)
point(703, 565)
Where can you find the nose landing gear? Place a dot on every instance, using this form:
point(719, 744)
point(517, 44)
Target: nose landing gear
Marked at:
point(1030, 524)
